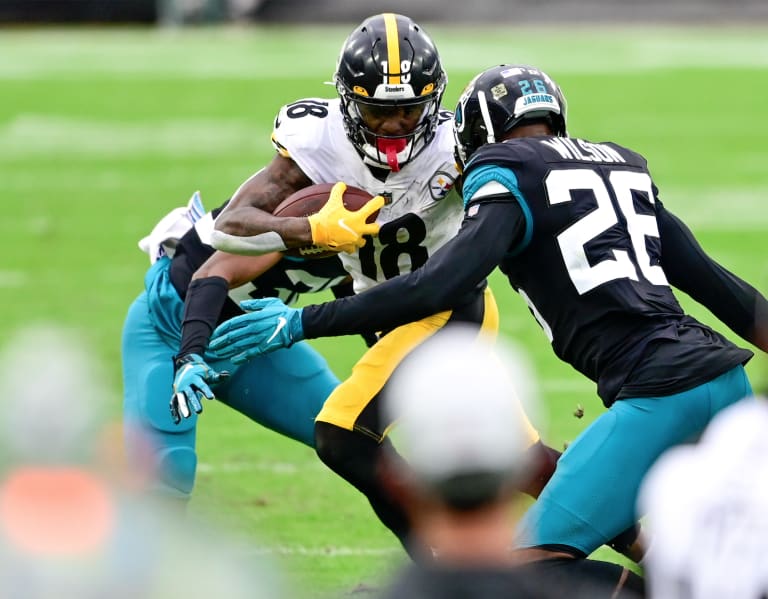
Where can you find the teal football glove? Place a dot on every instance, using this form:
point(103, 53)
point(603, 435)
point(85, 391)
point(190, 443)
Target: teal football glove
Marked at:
point(268, 325)
point(190, 385)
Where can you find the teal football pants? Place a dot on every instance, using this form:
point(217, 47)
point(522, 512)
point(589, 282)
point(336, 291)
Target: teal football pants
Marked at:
point(282, 391)
point(592, 496)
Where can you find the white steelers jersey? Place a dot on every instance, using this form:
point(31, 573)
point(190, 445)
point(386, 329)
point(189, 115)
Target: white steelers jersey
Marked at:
point(420, 214)
point(707, 507)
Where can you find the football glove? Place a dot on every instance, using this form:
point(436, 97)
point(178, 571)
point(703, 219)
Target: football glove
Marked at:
point(338, 229)
point(267, 325)
point(190, 385)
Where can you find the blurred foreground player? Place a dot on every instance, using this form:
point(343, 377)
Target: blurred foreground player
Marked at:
point(73, 522)
point(461, 446)
point(706, 505)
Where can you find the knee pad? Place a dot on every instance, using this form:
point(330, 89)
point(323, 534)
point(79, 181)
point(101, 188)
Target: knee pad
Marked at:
point(175, 469)
point(155, 406)
point(161, 452)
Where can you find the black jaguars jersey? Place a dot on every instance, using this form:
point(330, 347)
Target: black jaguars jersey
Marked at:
point(578, 229)
point(287, 279)
point(589, 264)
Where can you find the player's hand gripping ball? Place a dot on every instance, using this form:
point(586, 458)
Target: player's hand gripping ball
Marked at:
point(340, 217)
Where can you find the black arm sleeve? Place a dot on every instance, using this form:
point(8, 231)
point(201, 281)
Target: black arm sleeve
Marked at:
point(203, 303)
point(734, 301)
point(448, 276)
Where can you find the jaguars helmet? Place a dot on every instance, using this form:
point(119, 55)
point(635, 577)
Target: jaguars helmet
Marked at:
point(501, 98)
point(389, 62)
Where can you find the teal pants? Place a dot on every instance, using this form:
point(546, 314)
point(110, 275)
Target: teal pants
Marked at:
point(592, 496)
point(282, 391)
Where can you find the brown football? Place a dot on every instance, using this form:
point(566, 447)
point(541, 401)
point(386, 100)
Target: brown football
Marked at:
point(310, 200)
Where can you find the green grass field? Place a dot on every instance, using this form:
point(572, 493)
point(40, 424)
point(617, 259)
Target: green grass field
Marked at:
point(103, 131)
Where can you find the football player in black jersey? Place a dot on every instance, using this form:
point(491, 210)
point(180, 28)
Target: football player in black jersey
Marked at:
point(580, 232)
point(190, 288)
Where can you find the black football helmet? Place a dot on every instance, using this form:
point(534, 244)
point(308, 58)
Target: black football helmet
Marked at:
point(389, 62)
point(501, 98)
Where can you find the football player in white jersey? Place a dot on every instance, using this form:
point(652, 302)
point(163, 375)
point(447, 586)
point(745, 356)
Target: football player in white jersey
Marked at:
point(385, 133)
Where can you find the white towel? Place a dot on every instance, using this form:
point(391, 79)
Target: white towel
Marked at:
point(165, 235)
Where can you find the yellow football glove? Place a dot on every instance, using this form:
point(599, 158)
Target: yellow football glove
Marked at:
point(340, 230)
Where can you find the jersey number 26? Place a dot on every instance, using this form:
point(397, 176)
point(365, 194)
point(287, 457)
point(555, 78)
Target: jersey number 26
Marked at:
point(572, 240)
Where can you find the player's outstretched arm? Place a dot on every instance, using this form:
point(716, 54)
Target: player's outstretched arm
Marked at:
point(448, 278)
point(731, 299)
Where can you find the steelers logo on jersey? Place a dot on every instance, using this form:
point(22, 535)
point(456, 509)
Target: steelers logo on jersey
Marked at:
point(440, 184)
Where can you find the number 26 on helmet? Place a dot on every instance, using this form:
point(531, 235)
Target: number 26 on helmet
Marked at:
point(501, 98)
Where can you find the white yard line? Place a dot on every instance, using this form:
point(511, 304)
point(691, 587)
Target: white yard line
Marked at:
point(286, 550)
point(14, 278)
point(35, 134)
point(235, 467)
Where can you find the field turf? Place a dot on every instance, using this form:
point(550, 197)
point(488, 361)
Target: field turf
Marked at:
point(102, 131)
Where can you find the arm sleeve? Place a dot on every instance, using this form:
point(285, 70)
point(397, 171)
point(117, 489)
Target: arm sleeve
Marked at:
point(203, 303)
point(734, 301)
point(250, 245)
point(444, 281)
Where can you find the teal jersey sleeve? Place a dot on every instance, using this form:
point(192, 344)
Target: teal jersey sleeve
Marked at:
point(506, 177)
